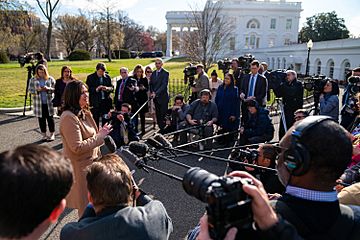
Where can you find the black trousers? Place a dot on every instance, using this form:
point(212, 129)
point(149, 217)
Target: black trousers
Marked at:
point(100, 112)
point(46, 117)
point(160, 108)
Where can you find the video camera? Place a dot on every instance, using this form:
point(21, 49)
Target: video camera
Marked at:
point(354, 85)
point(276, 77)
point(224, 65)
point(251, 155)
point(245, 61)
point(28, 58)
point(189, 74)
point(315, 83)
point(227, 204)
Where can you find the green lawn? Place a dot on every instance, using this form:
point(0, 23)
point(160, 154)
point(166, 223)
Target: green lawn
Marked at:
point(13, 77)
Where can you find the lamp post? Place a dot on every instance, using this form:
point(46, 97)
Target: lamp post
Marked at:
point(309, 47)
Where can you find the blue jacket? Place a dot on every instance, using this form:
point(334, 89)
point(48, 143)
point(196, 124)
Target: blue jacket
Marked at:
point(329, 106)
point(259, 124)
point(228, 104)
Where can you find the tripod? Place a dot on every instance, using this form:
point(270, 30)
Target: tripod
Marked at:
point(31, 71)
point(279, 108)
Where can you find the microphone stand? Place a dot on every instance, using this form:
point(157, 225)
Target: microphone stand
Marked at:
point(142, 106)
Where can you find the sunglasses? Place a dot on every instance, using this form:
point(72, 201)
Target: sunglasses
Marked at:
point(148, 71)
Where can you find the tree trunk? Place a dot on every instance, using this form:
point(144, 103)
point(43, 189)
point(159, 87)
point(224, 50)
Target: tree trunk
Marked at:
point(48, 41)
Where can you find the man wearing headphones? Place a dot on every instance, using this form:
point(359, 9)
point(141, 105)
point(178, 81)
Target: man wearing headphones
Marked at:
point(309, 165)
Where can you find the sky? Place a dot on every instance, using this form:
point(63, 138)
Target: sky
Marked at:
point(153, 12)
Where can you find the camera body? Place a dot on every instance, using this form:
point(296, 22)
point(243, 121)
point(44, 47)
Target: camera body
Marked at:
point(224, 65)
point(251, 155)
point(315, 83)
point(354, 84)
point(189, 75)
point(276, 77)
point(227, 204)
point(28, 58)
point(245, 61)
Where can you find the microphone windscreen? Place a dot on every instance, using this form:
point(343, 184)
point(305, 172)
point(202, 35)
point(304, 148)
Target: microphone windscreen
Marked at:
point(161, 139)
point(153, 143)
point(110, 144)
point(129, 157)
point(139, 149)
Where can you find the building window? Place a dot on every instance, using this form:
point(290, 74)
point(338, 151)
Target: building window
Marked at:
point(278, 63)
point(284, 63)
point(252, 42)
point(273, 23)
point(246, 42)
point(257, 42)
point(232, 43)
point(318, 68)
point(346, 69)
point(287, 41)
point(271, 42)
point(272, 63)
point(331, 68)
point(288, 24)
point(253, 23)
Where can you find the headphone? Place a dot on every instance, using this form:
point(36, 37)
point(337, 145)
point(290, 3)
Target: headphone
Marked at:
point(206, 91)
point(297, 157)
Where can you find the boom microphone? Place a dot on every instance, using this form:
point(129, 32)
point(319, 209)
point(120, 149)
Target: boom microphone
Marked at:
point(128, 156)
point(161, 139)
point(109, 144)
point(139, 149)
point(154, 143)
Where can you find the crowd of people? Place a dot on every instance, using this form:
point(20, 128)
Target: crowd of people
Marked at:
point(315, 190)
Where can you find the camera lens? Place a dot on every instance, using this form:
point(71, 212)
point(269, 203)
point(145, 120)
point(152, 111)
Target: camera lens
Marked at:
point(197, 181)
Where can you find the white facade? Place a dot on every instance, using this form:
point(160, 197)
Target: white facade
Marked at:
point(258, 24)
point(269, 31)
point(330, 58)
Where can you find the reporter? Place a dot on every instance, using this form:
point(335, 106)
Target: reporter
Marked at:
point(81, 139)
point(329, 100)
point(42, 87)
point(110, 214)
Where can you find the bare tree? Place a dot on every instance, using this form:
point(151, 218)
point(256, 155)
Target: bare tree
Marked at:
point(72, 30)
point(132, 32)
point(211, 29)
point(48, 8)
point(29, 37)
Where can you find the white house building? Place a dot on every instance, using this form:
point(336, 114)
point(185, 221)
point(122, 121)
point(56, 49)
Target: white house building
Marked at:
point(269, 30)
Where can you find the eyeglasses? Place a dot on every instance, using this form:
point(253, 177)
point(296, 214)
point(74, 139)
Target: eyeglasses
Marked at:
point(148, 71)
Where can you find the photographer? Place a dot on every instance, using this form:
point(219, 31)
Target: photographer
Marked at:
point(176, 116)
point(265, 156)
point(350, 109)
point(123, 128)
point(291, 91)
point(40, 59)
point(110, 214)
point(125, 91)
point(202, 82)
point(236, 71)
point(329, 100)
point(202, 113)
point(258, 127)
point(100, 87)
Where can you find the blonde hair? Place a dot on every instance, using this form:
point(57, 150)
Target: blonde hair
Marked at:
point(42, 67)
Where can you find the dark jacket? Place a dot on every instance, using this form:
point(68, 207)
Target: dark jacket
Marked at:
point(128, 95)
point(319, 220)
point(159, 84)
point(150, 221)
point(59, 91)
point(260, 88)
point(292, 96)
point(96, 101)
point(200, 111)
point(228, 104)
point(142, 95)
point(259, 124)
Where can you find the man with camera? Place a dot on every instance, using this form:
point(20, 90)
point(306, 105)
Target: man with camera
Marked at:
point(100, 87)
point(176, 116)
point(202, 113)
point(291, 91)
point(350, 109)
point(112, 213)
point(202, 82)
point(126, 87)
point(123, 128)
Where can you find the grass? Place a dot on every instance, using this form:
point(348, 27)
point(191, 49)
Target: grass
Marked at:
point(13, 78)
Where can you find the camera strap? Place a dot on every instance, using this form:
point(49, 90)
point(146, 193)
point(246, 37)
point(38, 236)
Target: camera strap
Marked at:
point(342, 228)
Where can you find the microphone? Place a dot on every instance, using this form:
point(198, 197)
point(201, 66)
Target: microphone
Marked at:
point(128, 156)
point(163, 141)
point(110, 145)
point(154, 143)
point(139, 149)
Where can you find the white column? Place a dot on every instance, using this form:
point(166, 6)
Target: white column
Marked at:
point(169, 40)
point(181, 40)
